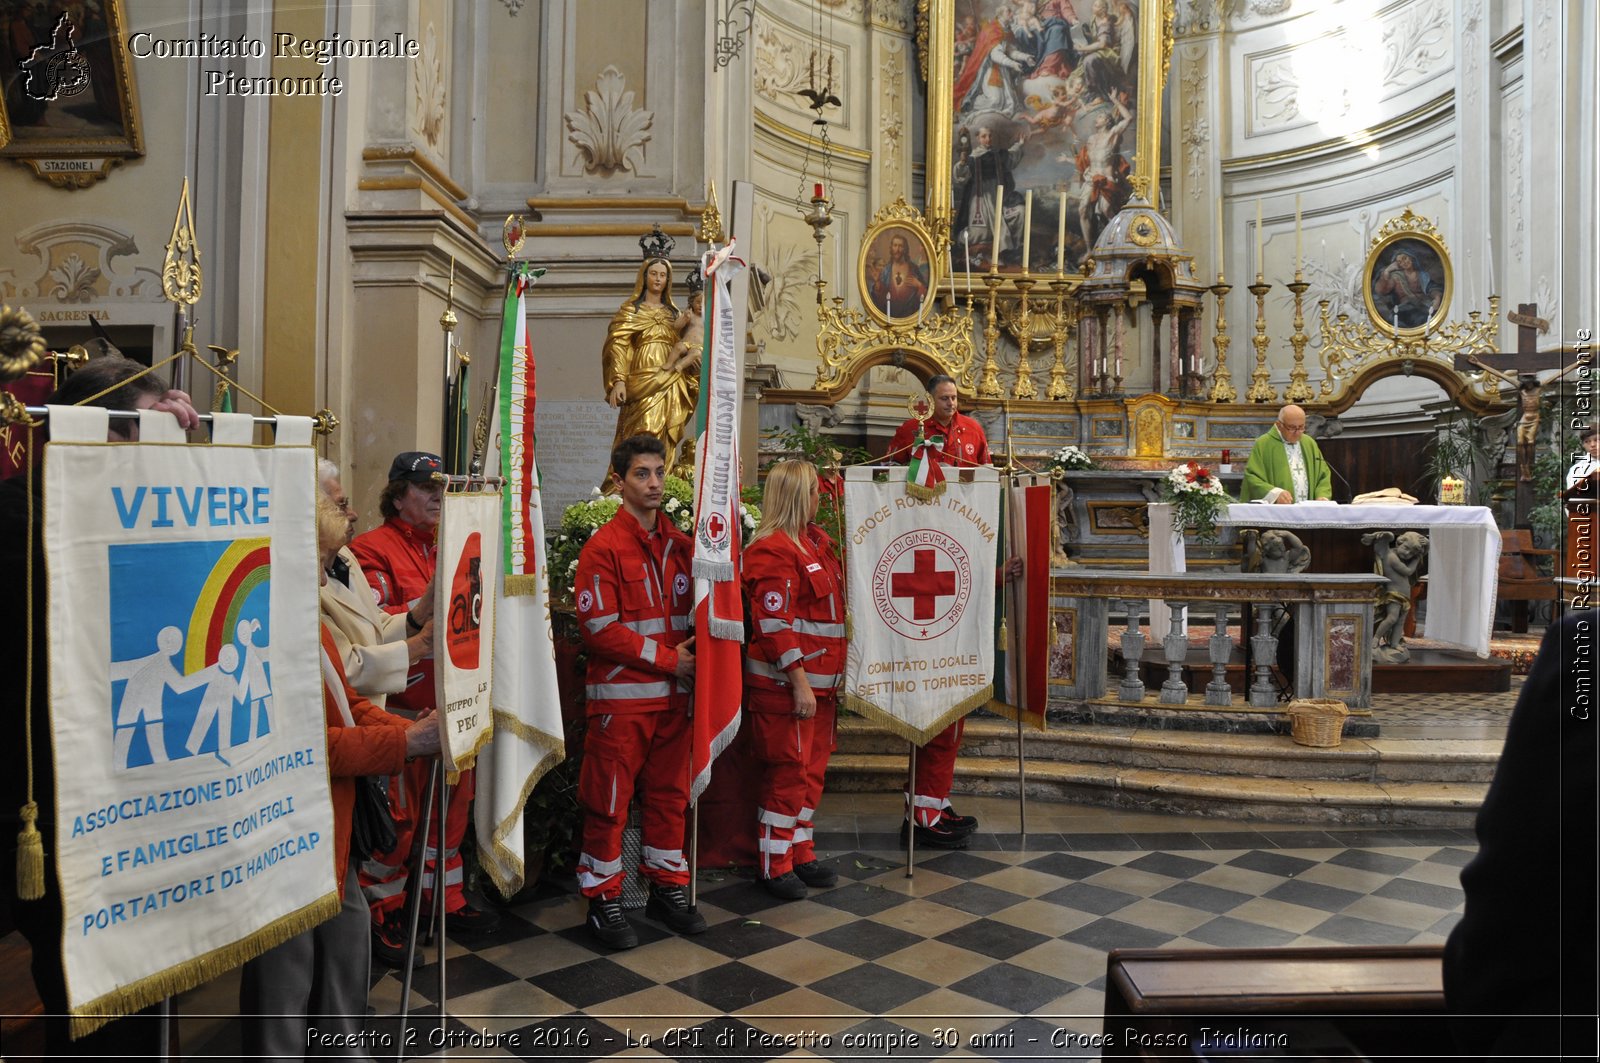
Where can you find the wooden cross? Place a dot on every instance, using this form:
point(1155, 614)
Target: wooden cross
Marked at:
point(1521, 371)
point(1527, 358)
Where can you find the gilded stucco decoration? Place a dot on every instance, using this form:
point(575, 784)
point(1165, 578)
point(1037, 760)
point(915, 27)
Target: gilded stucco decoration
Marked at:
point(610, 132)
point(891, 120)
point(793, 268)
point(82, 261)
point(1196, 129)
point(1414, 43)
point(1513, 177)
point(428, 84)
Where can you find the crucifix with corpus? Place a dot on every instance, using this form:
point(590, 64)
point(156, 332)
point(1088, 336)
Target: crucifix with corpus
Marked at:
point(1527, 362)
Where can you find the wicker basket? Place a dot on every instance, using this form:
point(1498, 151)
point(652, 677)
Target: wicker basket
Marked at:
point(1317, 721)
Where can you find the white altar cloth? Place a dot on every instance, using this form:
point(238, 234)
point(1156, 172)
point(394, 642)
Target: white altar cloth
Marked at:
point(1463, 556)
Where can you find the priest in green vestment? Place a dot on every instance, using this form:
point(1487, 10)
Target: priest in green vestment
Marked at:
point(1286, 465)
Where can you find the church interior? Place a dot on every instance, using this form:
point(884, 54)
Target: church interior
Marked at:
point(1139, 236)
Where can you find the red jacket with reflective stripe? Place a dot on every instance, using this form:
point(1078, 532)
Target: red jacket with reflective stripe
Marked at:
point(634, 607)
point(796, 616)
point(399, 560)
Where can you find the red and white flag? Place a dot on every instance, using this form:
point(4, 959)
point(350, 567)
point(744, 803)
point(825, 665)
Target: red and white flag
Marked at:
point(719, 609)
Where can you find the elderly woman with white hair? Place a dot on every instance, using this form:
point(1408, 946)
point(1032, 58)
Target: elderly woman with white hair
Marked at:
point(376, 648)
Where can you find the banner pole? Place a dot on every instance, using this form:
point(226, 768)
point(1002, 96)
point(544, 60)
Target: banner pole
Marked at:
point(694, 853)
point(164, 1035)
point(438, 886)
point(413, 908)
point(911, 810)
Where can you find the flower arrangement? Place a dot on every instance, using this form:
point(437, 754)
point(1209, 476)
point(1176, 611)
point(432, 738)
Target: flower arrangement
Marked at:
point(1197, 498)
point(1069, 458)
point(582, 519)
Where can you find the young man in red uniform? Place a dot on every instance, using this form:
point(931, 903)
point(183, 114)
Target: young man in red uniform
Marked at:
point(792, 673)
point(398, 558)
point(964, 446)
point(635, 601)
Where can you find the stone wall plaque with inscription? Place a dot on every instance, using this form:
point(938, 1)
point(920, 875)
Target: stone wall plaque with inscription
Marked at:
point(574, 440)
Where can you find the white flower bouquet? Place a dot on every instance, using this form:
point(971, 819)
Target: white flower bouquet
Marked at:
point(1197, 499)
point(1069, 458)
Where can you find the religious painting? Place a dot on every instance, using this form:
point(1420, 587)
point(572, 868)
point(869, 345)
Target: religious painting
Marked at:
point(1057, 98)
point(1408, 281)
point(68, 108)
point(897, 271)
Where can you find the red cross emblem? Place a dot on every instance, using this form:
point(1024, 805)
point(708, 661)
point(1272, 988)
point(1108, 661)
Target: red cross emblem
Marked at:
point(922, 583)
point(715, 529)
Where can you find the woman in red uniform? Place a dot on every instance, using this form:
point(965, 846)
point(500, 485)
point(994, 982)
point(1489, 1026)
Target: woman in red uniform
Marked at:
point(793, 671)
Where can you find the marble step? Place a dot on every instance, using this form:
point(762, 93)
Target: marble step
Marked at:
point(1377, 761)
point(1286, 800)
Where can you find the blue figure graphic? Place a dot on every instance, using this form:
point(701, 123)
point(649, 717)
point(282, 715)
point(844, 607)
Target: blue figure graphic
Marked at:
point(254, 687)
point(222, 689)
point(149, 679)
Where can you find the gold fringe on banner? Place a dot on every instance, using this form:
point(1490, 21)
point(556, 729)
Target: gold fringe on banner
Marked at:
point(467, 762)
point(88, 1018)
point(502, 859)
point(520, 586)
point(1010, 712)
point(915, 735)
point(926, 494)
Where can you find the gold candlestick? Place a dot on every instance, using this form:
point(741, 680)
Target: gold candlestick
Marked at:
point(1023, 387)
point(1299, 389)
point(1261, 389)
point(989, 382)
point(1060, 374)
point(1222, 389)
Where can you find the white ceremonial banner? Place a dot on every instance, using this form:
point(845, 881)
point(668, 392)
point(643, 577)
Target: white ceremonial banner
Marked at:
point(193, 821)
point(463, 657)
point(921, 582)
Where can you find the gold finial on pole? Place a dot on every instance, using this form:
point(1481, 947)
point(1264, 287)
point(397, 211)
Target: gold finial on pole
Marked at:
point(710, 218)
point(180, 269)
point(447, 320)
point(513, 233)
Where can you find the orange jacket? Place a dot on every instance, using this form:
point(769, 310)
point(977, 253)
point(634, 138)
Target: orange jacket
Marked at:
point(376, 745)
point(399, 560)
point(965, 445)
point(797, 617)
point(635, 602)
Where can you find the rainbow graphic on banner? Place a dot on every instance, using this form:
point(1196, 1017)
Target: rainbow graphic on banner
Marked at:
point(190, 661)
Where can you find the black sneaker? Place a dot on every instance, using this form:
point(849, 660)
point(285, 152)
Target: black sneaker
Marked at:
point(936, 836)
point(389, 943)
point(815, 875)
point(786, 887)
point(950, 819)
point(670, 904)
point(468, 921)
point(607, 923)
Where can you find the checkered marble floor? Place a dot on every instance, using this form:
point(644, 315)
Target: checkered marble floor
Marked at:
point(1005, 941)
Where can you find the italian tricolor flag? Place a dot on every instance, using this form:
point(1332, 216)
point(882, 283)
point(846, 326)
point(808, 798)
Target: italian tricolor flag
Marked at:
point(924, 478)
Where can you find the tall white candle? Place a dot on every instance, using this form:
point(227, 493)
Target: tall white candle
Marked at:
point(999, 225)
point(1219, 240)
point(950, 253)
point(1489, 258)
point(1297, 255)
point(1061, 236)
point(966, 246)
point(1261, 265)
point(1027, 228)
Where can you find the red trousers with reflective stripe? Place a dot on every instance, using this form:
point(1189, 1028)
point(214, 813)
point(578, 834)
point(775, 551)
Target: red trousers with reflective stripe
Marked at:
point(936, 768)
point(383, 875)
point(794, 753)
point(647, 752)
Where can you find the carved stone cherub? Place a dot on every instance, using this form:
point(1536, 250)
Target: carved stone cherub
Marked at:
point(1398, 559)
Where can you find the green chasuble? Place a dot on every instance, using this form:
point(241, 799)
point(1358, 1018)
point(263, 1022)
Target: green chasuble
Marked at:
point(1268, 467)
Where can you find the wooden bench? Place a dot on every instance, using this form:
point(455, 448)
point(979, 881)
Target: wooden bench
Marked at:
point(1521, 580)
point(1158, 1001)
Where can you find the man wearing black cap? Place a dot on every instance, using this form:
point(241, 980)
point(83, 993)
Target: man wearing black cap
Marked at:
point(398, 558)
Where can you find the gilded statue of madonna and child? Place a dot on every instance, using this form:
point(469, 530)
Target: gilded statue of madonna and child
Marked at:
point(650, 366)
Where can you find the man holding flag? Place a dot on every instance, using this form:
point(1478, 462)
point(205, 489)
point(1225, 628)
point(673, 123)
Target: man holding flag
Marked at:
point(952, 437)
point(634, 599)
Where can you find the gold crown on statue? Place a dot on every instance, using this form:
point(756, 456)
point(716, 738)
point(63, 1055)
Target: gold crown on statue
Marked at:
point(656, 244)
